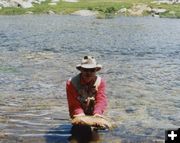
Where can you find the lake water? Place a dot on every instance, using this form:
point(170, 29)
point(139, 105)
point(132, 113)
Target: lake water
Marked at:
point(141, 65)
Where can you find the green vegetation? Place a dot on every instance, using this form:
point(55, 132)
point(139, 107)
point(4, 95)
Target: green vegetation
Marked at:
point(106, 8)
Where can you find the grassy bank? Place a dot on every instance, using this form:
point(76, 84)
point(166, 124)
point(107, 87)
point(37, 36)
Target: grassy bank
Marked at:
point(104, 7)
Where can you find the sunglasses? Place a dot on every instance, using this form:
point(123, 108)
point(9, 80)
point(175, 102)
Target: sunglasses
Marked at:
point(89, 70)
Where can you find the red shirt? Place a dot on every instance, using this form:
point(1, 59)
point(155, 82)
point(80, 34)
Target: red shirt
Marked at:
point(74, 104)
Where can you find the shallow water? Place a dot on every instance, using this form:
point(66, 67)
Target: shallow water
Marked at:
point(141, 64)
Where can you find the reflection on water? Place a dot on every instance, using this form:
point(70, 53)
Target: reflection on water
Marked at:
point(141, 64)
point(58, 134)
point(83, 134)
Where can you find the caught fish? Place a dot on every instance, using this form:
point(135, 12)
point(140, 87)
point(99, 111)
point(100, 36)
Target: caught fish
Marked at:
point(99, 122)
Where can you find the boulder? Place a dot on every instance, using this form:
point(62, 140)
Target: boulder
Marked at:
point(4, 4)
point(36, 2)
point(52, 3)
point(167, 1)
point(138, 10)
point(158, 11)
point(50, 12)
point(85, 13)
point(122, 10)
point(21, 3)
point(29, 12)
point(71, 0)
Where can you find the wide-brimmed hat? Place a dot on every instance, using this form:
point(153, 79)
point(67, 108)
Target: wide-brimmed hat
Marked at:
point(89, 62)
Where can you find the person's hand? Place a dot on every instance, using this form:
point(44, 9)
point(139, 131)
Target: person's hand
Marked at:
point(100, 125)
point(98, 115)
point(78, 115)
point(77, 119)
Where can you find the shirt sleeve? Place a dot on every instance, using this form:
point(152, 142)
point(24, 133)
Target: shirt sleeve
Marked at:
point(101, 99)
point(73, 103)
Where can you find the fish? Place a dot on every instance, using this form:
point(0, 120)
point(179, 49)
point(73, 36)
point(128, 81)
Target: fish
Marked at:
point(94, 121)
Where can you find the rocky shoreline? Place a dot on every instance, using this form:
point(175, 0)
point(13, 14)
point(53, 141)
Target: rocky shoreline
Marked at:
point(28, 3)
point(139, 9)
point(19, 3)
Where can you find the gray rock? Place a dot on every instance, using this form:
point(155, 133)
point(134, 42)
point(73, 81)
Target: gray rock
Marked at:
point(156, 10)
point(51, 12)
point(85, 13)
point(123, 10)
point(4, 4)
point(29, 12)
point(52, 3)
point(19, 3)
point(172, 118)
point(71, 0)
point(138, 9)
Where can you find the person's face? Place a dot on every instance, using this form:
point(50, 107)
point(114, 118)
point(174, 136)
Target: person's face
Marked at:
point(88, 74)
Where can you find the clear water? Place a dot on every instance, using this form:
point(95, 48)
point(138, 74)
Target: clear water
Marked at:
point(141, 65)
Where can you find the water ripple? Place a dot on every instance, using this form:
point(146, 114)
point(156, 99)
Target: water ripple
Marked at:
point(141, 64)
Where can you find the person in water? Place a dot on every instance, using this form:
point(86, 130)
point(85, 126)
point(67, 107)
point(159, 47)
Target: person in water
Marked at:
point(86, 91)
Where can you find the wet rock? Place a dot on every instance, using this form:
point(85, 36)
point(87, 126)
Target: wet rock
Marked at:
point(155, 15)
point(148, 131)
point(172, 118)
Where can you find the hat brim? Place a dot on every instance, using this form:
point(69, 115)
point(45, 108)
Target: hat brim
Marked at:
point(89, 66)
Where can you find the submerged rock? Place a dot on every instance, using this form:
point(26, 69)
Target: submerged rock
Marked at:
point(130, 109)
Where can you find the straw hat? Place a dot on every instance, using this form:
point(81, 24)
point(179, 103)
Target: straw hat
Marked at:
point(89, 62)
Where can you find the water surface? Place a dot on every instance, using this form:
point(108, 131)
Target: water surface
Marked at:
point(141, 65)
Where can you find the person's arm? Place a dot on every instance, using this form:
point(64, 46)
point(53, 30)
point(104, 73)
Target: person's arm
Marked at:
point(101, 99)
point(74, 105)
